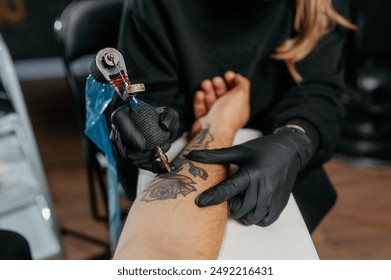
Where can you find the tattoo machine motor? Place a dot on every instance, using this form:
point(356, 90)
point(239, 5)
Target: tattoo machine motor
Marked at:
point(109, 67)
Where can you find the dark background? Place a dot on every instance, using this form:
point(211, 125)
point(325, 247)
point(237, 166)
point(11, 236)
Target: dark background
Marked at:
point(27, 27)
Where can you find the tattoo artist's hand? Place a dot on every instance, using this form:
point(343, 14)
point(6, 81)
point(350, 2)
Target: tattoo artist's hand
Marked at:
point(259, 191)
point(130, 144)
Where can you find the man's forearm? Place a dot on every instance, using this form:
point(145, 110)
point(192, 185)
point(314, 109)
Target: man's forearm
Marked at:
point(165, 222)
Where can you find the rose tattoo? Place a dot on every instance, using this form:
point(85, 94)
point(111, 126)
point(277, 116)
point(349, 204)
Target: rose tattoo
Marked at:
point(169, 187)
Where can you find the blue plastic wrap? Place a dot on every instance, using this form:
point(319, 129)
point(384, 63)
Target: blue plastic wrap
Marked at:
point(98, 96)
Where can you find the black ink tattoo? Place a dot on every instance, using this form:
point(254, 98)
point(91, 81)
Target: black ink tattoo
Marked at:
point(200, 142)
point(169, 188)
point(169, 185)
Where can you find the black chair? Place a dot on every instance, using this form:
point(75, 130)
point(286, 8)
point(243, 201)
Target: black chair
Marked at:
point(366, 133)
point(82, 29)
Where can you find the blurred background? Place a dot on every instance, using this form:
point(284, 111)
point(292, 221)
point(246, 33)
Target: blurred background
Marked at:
point(58, 173)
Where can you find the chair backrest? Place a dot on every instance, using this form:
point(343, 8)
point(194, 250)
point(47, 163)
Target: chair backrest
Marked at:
point(85, 27)
point(82, 29)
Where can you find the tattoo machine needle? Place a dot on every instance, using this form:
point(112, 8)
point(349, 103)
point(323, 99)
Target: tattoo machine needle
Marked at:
point(110, 64)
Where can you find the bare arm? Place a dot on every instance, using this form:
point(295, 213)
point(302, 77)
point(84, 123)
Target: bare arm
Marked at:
point(164, 222)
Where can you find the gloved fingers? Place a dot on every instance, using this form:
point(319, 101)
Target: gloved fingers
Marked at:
point(264, 200)
point(242, 204)
point(277, 205)
point(123, 124)
point(118, 146)
point(268, 219)
point(156, 167)
point(161, 109)
point(260, 212)
point(237, 206)
point(224, 190)
point(147, 156)
point(142, 157)
point(253, 206)
point(166, 146)
point(219, 156)
point(129, 154)
point(169, 120)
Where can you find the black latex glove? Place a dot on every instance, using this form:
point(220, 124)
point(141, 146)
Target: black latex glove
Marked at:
point(259, 191)
point(130, 144)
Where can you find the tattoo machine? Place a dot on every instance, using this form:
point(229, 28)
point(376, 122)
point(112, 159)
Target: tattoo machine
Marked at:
point(110, 64)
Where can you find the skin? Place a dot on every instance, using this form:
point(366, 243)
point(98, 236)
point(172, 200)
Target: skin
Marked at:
point(164, 221)
point(210, 91)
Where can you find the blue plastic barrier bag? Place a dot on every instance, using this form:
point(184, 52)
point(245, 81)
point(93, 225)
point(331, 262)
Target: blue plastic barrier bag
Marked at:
point(98, 96)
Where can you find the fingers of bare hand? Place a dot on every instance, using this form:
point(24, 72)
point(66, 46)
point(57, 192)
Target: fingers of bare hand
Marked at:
point(219, 86)
point(199, 104)
point(210, 95)
point(229, 77)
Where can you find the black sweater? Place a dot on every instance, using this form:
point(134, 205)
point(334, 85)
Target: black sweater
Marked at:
point(172, 45)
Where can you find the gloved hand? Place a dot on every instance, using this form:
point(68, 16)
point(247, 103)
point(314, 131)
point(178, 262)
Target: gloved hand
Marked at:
point(130, 144)
point(259, 191)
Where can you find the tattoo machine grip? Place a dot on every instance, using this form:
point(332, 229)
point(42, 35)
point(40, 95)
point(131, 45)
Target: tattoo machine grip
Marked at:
point(146, 120)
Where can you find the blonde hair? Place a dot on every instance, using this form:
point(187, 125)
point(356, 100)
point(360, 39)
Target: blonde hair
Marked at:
point(313, 19)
